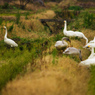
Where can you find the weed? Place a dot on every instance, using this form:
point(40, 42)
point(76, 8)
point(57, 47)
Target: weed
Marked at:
point(54, 53)
point(58, 37)
point(27, 13)
point(77, 8)
point(18, 17)
point(91, 88)
point(11, 28)
point(23, 26)
point(5, 6)
point(88, 20)
point(29, 30)
point(1, 20)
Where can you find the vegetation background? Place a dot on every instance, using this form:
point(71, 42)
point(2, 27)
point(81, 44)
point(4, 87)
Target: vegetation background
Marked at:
point(36, 66)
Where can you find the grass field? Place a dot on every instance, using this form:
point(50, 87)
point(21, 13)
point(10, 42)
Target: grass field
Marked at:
point(36, 66)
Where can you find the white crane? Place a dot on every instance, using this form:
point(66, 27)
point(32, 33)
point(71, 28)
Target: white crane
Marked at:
point(71, 33)
point(91, 45)
point(9, 41)
point(62, 44)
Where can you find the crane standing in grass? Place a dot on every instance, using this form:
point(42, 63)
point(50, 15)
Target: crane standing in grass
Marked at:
point(62, 44)
point(71, 33)
point(9, 41)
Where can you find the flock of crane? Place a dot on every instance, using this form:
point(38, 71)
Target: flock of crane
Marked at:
point(72, 50)
point(63, 44)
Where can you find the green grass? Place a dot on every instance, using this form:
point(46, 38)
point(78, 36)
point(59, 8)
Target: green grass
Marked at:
point(13, 60)
point(91, 88)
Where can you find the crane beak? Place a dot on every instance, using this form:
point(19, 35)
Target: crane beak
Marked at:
point(88, 46)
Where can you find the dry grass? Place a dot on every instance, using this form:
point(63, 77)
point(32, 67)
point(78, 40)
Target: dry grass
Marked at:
point(67, 3)
point(32, 23)
point(45, 15)
point(64, 77)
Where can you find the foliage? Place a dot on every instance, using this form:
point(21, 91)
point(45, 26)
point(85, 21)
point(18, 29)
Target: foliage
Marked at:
point(18, 17)
point(53, 0)
point(11, 28)
point(29, 30)
point(54, 53)
point(57, 37)
point(91, 88)
point(16, 59)
point(1, 21)
point(86, 0)
point(66, 14)
point(23, 26)
point(5, 6)
point(23, 3)
point(76, 8)
point(27, 13)
point(88, 20)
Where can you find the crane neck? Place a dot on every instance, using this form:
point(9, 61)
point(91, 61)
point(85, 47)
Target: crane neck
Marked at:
point(5, 34)
point(65, 26)
point(92, 51)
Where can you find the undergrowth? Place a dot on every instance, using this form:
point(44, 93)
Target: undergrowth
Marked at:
point(14, 60)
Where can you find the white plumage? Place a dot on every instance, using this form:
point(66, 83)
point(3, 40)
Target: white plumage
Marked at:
point(73, 34)
point(91, 45)
point(92, 41)
point(91, 58)
point(87, 62)
point(62, 44)
point(9, 41)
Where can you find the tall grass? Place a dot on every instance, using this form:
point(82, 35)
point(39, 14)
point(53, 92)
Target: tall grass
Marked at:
point(15, 59)
point(1, 21)
point(91, 88)
point(18, 17)
point(88, 20)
